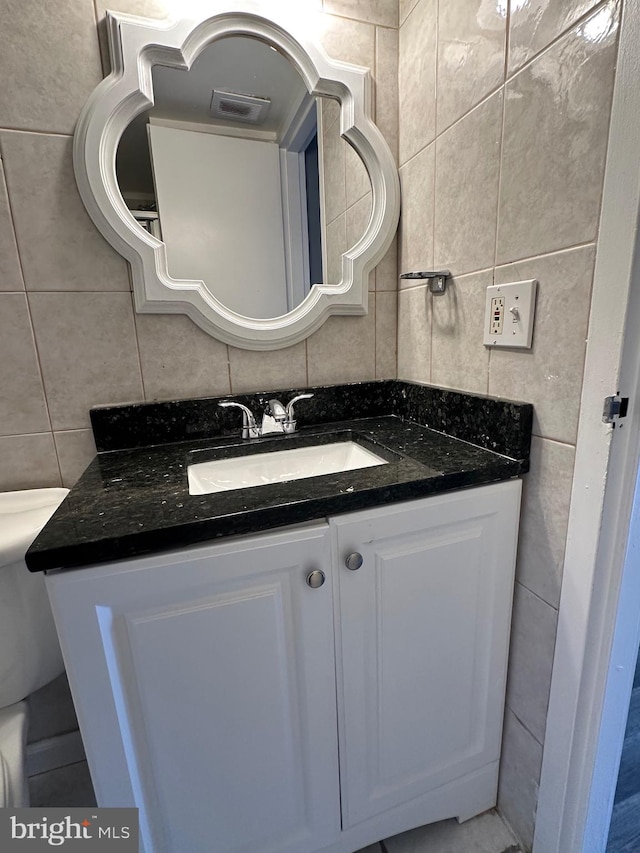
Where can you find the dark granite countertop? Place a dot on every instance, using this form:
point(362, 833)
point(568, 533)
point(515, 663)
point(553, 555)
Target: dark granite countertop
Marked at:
point(134, 499)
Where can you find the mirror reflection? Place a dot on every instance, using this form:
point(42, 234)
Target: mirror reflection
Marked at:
point(245, 177)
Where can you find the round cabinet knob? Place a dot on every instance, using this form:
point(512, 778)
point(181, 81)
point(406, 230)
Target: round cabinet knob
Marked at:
point(315, 579)
point(353, 561)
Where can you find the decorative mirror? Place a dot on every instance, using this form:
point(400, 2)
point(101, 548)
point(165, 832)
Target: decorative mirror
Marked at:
point(210, 157)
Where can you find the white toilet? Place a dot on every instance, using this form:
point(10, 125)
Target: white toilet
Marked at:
point(30, 654)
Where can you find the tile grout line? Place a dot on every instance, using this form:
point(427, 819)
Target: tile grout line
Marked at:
point(375, 333)
point(137, 338)
point(524, 726)
point(507, 47)
point(229, 368)
point(573, 247)
point(343, 17)
point(34, 339)
point(435, 177)
point(12, 219)
point(502, 127)
point(36, 132)
point(435, 70)
point(344, 158)
point(397, 329)
point(412, 288)
point(396, 97)
point(101, 57)
point(42, 382)
point(353, 204)
point(489, 371)
point(376, 44)
point(537, 741)
point(536, 595)
point(591, 285)
point(72, 289)
point(417, 154)
point(408, 15)
point(435, 206)
point(499, 193)
point(68, 429)
point(507, 43)
point(435, 147)
point(3, 182)
point(46, 432)
point(554, 440)
point(306, 359)
point(342, 212)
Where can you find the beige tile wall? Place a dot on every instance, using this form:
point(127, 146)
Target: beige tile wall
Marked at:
point(504, 113)
point(501, 153)
point(69, 338)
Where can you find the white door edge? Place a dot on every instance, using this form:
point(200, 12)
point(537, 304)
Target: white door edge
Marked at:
point(571, 796)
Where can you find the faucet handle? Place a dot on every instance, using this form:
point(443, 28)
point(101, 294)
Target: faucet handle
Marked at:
point(290, 423)
point(249, 427)
point(289, 408)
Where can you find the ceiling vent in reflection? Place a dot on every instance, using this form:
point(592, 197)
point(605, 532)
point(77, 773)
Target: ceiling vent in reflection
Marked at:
point(233, 106)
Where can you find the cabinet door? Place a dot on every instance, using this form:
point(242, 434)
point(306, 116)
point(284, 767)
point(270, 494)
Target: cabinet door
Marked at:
point(205, 688)
point(423, 638)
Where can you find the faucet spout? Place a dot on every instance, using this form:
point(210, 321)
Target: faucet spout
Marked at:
point(277, 411)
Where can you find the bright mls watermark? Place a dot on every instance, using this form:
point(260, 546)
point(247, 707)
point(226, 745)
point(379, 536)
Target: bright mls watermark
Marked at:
point(89, 829)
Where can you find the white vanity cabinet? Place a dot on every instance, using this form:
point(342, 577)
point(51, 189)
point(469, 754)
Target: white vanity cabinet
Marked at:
point(205, 689)
point(421, 648)
point(244, 711)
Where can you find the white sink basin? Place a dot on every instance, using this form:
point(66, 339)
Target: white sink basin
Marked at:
point(279, 466)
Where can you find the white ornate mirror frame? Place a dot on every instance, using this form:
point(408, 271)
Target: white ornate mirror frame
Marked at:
point(136, 44)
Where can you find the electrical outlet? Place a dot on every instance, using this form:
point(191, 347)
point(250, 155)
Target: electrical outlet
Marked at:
point(509, 310)
point(496, 317)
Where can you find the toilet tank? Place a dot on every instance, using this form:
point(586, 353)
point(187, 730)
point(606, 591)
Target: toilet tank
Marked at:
point(30, 654)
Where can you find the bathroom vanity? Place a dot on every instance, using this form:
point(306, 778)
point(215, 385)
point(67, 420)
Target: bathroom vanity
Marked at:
point(312, 666)
point(299, 666)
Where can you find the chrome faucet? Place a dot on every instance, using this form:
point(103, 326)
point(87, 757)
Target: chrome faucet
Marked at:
point(276, 418)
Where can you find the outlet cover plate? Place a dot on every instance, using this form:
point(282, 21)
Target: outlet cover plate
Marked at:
point(517, 301)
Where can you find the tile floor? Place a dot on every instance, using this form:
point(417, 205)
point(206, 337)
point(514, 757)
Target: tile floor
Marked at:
point(486, 833)
point(483, 834)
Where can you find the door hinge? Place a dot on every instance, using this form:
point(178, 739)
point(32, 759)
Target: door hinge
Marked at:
point(614, 408)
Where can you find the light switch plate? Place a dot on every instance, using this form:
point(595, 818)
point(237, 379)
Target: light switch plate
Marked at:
point(508, 318)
